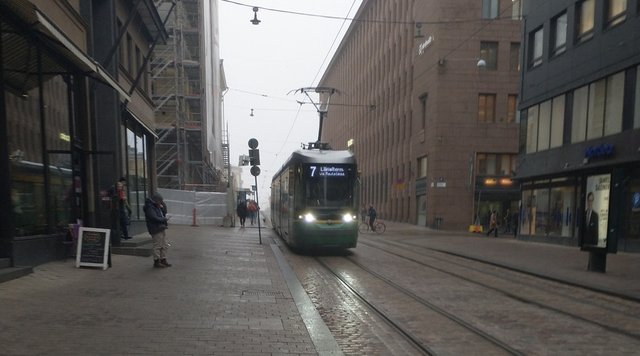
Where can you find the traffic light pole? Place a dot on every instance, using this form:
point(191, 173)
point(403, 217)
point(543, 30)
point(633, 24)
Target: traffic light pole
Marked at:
point(254, 158)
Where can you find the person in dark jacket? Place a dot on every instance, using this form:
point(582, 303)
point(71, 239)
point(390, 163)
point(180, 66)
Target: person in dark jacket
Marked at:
point(155, 213)
point(242, 212)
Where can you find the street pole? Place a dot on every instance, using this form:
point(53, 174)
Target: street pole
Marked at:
point(258, 211)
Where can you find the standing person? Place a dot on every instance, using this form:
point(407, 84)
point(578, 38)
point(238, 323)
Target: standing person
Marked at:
point(507, 221)
point(241, 210)
point(124, 210)
point(372, 217)
point(493, 223)
point(252, 208)
point(155, 214)
point(590, 223)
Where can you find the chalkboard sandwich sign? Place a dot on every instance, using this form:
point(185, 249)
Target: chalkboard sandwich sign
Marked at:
point(93, 247)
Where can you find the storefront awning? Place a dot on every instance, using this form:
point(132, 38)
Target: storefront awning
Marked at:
point(139, 121)
point(20, 62)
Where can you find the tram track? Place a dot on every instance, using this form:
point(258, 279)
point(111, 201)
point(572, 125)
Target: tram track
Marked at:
point(605, 314)
point(415, 340)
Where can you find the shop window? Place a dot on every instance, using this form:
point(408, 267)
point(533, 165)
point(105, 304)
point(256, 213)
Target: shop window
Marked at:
point(559, 34)
point(527, 212)
point(616, 12)
point(535, 47)
point(34, 212)
point(540, 225)
point(486, 108)
point(562, 205)
point(489, 52)
point(585, 19)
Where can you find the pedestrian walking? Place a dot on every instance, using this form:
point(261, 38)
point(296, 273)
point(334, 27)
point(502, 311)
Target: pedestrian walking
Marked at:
point(252, 208)
point(372, 217)
point(493, 223)
point(155, 213)
point(241, 210)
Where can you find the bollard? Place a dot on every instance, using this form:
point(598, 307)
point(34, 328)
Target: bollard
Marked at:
point(194, 218)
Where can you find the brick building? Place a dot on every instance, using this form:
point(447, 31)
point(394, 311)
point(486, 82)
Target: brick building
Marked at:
point(435, 133)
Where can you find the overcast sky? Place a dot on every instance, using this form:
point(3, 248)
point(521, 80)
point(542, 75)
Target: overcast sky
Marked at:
point(264, 65)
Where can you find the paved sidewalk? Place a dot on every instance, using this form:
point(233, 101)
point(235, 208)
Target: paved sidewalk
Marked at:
point(562, 263)
point(225, 294)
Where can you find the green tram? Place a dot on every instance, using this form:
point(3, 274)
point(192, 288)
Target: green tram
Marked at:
point(314, 199)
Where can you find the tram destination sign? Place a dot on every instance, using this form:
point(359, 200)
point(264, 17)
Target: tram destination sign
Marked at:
point(326, 171)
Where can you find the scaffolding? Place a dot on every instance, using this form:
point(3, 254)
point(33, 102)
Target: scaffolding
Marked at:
point(182, 158)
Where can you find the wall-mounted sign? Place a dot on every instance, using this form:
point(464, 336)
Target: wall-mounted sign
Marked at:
point(424, 45)
point(600, 151)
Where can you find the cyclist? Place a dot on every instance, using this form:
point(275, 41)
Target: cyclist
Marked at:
point(372, 217)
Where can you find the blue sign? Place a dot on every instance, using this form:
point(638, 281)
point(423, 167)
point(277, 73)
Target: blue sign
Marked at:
point(604, 150)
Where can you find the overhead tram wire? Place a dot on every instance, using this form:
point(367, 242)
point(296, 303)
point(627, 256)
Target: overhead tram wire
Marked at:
point(314, 79)
point(380, 21)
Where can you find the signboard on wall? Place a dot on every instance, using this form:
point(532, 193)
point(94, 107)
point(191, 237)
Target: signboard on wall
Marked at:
point(596, 210)
point(93, 247)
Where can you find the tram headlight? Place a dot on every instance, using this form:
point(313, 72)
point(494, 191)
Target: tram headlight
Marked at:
point(348, 218)
point(308, 217)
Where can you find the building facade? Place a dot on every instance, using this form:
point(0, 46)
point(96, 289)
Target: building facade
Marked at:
point(580, 130)
point(188, 82)
point(435, 134)
point(73, 118)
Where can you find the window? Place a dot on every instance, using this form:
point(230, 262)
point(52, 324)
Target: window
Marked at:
point(514, 57)
point(616, 12)
point(489, 52)
point(557, 122)
point(636, 116)
point(532, 129)
point(585, 19)
point(120, 46)
point(129, 54)
point(489, 9)
point(422, 167)
point(544, 125)
point(423, 111)
point(492, 164)
point(516, 9)
point(486, 107)
point(559, 34)
point(535, 50)
point(597, 108)
point(512, 108)
point(138, 62)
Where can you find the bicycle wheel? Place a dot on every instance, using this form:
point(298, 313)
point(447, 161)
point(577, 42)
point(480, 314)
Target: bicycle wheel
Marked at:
point(380, 227)
point(363, 227)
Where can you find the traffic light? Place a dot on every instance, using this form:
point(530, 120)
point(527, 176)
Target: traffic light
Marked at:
point(254, 157)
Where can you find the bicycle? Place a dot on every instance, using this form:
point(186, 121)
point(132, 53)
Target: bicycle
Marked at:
point(379, 227)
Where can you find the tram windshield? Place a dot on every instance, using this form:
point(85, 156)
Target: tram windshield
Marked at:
point(329, 185)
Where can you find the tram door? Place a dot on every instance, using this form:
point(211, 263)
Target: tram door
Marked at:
point(422, 210)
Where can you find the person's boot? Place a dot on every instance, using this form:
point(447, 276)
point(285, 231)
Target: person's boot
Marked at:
point(158, 264)
point(164, 263)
